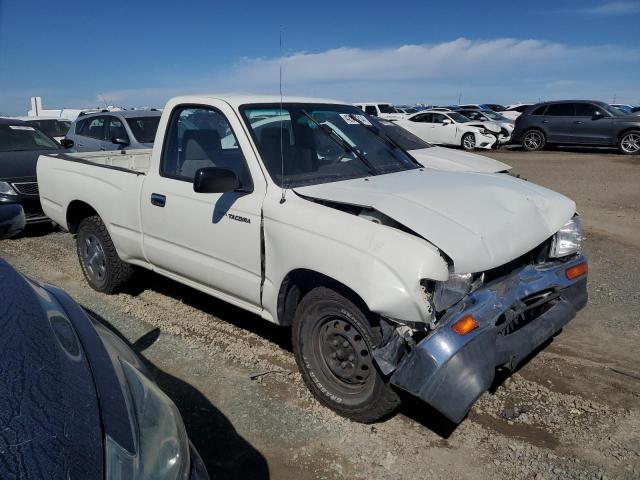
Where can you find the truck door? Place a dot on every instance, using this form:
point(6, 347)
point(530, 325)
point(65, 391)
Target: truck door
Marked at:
point(209, 239)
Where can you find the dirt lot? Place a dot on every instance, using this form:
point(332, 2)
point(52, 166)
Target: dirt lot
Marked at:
point(572, 411)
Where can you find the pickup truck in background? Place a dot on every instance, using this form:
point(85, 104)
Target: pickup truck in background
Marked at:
point(303, 211)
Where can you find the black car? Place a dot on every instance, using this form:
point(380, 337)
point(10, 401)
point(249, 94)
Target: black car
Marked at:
point(76, 402)
point(577, 122)
point(20, 146)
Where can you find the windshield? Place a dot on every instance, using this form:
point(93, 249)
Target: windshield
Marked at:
point(144, 128)
point(458, 118)
point(318, 143)
point(613, 110)
point(493, 115)
point(404, 138)
point(20, 138)
point(53, 128)
point(384, 108)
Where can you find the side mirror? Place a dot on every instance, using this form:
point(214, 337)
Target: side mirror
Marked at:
point(446, 121)
point(12, 220)
point(67, 143)
point(120, 141)
point(215, 180)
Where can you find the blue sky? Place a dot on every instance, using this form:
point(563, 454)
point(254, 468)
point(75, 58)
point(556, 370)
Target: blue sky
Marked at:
point(139, 53)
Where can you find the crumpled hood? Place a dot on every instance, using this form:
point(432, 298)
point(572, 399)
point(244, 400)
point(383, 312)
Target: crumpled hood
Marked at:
point(481, 221)
point(491, 126)
point(457, 160)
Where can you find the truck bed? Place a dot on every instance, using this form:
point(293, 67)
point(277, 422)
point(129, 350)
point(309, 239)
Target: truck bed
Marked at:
point(137, 161)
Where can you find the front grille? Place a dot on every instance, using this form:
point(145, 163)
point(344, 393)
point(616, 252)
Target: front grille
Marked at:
point(26, 188)
point(537, 256)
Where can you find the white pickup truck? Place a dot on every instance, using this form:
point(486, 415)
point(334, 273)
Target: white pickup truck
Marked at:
point(392, 275)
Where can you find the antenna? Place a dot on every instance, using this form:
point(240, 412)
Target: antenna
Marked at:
point(282, 199)
point(103, 100)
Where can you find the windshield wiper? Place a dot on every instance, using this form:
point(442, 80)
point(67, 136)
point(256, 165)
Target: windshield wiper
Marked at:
point(340, 141)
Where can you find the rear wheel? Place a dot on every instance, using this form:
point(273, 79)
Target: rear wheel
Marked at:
point(469, 141)
point(630, 142)
point(332, 342)
point(100, 263)
point(533, 140)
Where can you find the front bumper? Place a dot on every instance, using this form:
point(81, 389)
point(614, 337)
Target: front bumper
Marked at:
point(30, 203)
point(484, 141)
point(516, 313)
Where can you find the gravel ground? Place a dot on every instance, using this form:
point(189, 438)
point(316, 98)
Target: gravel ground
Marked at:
point(571, 412)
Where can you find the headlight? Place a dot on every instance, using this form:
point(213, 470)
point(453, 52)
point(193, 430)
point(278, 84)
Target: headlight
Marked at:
point(162, 447)
point(484, 131)
point(447, 294)
point(6, 189)
point(567, 240)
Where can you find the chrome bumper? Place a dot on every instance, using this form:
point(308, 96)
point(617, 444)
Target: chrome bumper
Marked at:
point(516, 314)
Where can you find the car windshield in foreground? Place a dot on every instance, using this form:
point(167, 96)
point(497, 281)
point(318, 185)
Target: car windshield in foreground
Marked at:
point(306, 144)
point(402, 137)
point(53, 128)
point(144, 128)
point(386, 108)
point(20, 138)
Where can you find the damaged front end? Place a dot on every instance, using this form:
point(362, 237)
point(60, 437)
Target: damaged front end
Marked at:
point(482, 327)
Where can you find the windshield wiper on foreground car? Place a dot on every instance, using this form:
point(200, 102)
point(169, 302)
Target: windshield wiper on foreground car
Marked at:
point(329, 132)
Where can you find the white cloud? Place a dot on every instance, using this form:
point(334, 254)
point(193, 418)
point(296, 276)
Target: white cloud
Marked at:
point(503, 69)
point(614, 8)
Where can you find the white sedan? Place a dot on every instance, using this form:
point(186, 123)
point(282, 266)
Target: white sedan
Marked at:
point(450, 128)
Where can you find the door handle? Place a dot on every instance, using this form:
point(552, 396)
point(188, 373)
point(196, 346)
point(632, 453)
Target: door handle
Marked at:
point(545, 121)
point(578, 121)
point(158, 200)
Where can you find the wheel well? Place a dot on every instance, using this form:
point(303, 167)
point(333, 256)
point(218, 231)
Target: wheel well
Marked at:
point(76, 212)
point(535, 128)
point(627, 130)
point(299, 282)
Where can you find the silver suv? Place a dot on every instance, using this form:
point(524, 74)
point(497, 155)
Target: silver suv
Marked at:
point(107, 130)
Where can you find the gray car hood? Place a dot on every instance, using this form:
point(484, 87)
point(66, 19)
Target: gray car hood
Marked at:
point(481, 221)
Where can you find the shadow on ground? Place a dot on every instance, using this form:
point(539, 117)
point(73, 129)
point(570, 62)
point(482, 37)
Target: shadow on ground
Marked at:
point(225, 453)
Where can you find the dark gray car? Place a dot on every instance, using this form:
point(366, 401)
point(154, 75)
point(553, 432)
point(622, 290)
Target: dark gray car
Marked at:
point(577, 122)
point(106, 130)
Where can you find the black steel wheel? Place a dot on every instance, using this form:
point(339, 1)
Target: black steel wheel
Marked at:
point(333, 341)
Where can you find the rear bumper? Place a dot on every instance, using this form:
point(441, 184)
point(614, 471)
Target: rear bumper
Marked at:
point(516, 313)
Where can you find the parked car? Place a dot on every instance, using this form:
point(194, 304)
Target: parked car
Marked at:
point(515, 110)
point(77, 402)
point(20, 146)
point(482, 106)
point(440, 158)
point(390, 273)
point(56, 128)
point(380, 109)
point(451, 128)
point(506, 124)
point(114, 130)
point(406, 110)
point(577, 122)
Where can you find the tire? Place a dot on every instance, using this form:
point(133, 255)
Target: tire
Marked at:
point(468, 142)
point(629, 142)
point(99, 260)
point(332, 344)
point(533, 140)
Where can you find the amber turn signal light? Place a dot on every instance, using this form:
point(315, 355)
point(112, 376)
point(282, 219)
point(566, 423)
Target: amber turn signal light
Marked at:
point(577, 270)
point(465, 325)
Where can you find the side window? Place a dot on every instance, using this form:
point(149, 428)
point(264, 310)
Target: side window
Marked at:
point(80, 126)
point(473, 115)
point(371, 110)
point(438, 118)
point(201, 137)
point(585, 109)
point(521, 108)
point(94, 128)
point(560, 110)
point(116, 129)
point(424, 118)
point(540, 110)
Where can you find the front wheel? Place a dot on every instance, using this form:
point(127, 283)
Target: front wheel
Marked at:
point(333, 341)
point(630, 142)
point(533, 140)
point(100, 263)
point(469, 141)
